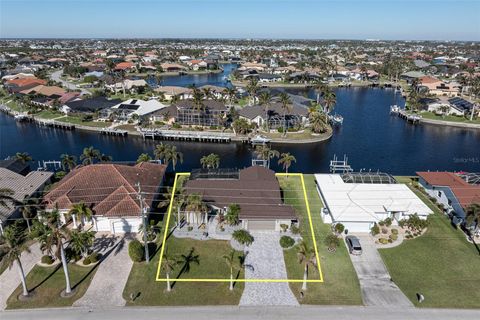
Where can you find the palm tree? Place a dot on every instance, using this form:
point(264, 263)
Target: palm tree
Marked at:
point(23, 156)
point(329, 99)
point(198, 102)
point(472, 217)
point(168, 265)
point(51, 233)
point(144, 157)
point(233, 212)
point(230, 261)
point(210, 161)
point(264, 100)
point(68, 162)
point(252, 89)
point(105, 158)
point(160, 152)
point(306, 256)
point(13, 245)
point(317, 122)
point(29, 209)
point(89, 155)
point(6, 197)
point(231, 94)
point(81, 241)
point(187, 260)
point(286, 160)
point(264, 153)
point(195, 204)
point(174, 156)
point(80, 211)
point(175, 99)
point(207, 93)
point(286, 106)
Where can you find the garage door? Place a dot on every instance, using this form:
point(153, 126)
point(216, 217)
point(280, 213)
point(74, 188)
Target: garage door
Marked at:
point(261, 224)
point(357, 226)
point(122, 226)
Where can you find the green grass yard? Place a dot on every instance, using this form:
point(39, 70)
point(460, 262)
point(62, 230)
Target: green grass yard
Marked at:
point(78, 121)
point(48, 114)
point(48, 283)
point(442, 265)
point(340, 286)
point(433, 116)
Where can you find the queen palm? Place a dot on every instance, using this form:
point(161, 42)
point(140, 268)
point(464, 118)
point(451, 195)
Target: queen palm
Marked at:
point(13, 244)
point(286, 160)
point(264, 153)
point(168, 266)
point(230, 92)
point(265, 99)
point(174, 156)
point(306, 256)
point(232, 264)
point(80, 211)
point(286, 107)
point(195, 204)
point(23, 156)
point(160, 151)
point(29, 209)
point(68, 161)
point(52, 235)
point(210, 161)
point(329, 99)
point(89, 155)
point(198, 102)
point(187, 260)
point(252, 89)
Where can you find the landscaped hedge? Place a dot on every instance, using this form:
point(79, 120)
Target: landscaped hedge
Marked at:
point(286, 242)
point(243, 237)
point(47, 259)
point(136, 250)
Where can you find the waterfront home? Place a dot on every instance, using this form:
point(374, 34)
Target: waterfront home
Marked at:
point(264, 77)
point(96, 104)
point(410, 76)
point(442, 106)
point(295, 117)
point(255, 189)
point(125, 66)
point(209, 113)
point(127, 85)
point(438, 87)
point(111, 192)
point(24, 186)
point(136, 108)
point(451, 190)
point(171, 91)
point(172, 67)
point(358, 201)
point(23, 83)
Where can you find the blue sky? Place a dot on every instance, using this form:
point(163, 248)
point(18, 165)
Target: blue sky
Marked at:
point(318, 19)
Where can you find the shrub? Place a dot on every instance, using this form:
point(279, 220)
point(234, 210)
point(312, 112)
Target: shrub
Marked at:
point(135, 250)
point(284, 227)
point(295, 229)
point(86, 261)
point(375, 230)
point(383, 240)
point(388, 222)
point(286, 242)
point(243, 237)
point(94, 257)
point(402, 223)
point(332, 242)
point(47, 259)
point(176, 126)
point(393, 237)
point(381, 223)
point(394, 231)
point(390, 240)
point(339, 228)
point(280, 129)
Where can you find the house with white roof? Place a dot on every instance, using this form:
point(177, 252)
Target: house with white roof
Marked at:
point(358, 206)
point(136, 107)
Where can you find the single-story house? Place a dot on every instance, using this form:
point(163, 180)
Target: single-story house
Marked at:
point(23, 187)
point(141, 108)
point(89, 105)
point(127, 85)
point(110, 190)
point(170, 91)
point(358, 206)
point(255, 189)
point(297, 115)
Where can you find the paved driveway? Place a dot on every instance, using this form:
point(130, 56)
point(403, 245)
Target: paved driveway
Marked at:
point(107, 285)
point(377, 288)
point(265, 261)
point(10, 278)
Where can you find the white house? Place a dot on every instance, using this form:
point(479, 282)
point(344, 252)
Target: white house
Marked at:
point(358, 206)
point(141, 108)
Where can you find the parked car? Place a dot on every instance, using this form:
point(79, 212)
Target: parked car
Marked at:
point(354, 246)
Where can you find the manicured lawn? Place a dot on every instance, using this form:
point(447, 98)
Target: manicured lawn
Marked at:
point(212, 265)
point(442, 265)
point(47, 114)
point(433, 116)
point(48, 283)
point(76, 120)
point(340, 286)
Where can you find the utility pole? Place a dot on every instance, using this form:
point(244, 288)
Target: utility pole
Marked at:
point(141, 198)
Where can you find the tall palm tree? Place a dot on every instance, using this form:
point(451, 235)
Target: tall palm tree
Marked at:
point(89, 155)
point(230, 261)
point(329, 99)
point(53, 235)
point(6, 197)
point(306, 256)
point(174, 156)
point(68, 162)
point(13, 244)
point(264, 153)
point(29, 209)
point(265, 99)
point(231, 94)
point(160, 151)
point(286, 107)
point(210, 161)
point(23, 156)
point(81, 212)
point(81, 241)
point(286, 160)
point(318, 122)
point(187, 260)
point(198, 102)
point(144, 157)
point(252, 89)
point(168, 265)
point(194, 203)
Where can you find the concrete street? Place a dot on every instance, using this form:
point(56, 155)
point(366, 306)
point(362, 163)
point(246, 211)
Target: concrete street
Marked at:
point(250, 313)
point(55, 76)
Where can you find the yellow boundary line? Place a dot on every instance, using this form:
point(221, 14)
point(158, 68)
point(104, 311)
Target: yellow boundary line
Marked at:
point(242, 280)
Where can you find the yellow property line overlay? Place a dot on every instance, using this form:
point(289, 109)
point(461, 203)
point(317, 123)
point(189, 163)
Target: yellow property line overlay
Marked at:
point(186, 174)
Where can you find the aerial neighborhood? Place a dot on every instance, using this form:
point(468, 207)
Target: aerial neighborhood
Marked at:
point(205, 172)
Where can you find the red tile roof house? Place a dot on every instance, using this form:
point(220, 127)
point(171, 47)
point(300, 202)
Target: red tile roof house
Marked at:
point(255, 189)
point(110, 190)
point(450, 190)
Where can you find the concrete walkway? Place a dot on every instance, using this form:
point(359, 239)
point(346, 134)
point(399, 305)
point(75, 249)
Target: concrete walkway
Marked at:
point(375, 282)
point(107, 285)
point(265, 261)
point(10, 278)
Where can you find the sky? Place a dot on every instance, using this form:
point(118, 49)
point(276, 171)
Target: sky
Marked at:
point(283, 19)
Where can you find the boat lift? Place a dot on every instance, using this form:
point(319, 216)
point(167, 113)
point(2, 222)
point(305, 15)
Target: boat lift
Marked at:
point(340, 165)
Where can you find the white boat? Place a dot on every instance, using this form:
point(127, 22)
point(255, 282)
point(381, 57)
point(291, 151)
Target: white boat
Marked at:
point(258, 139)
point(336, 119)
point(394, 109)
point(20, 117)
